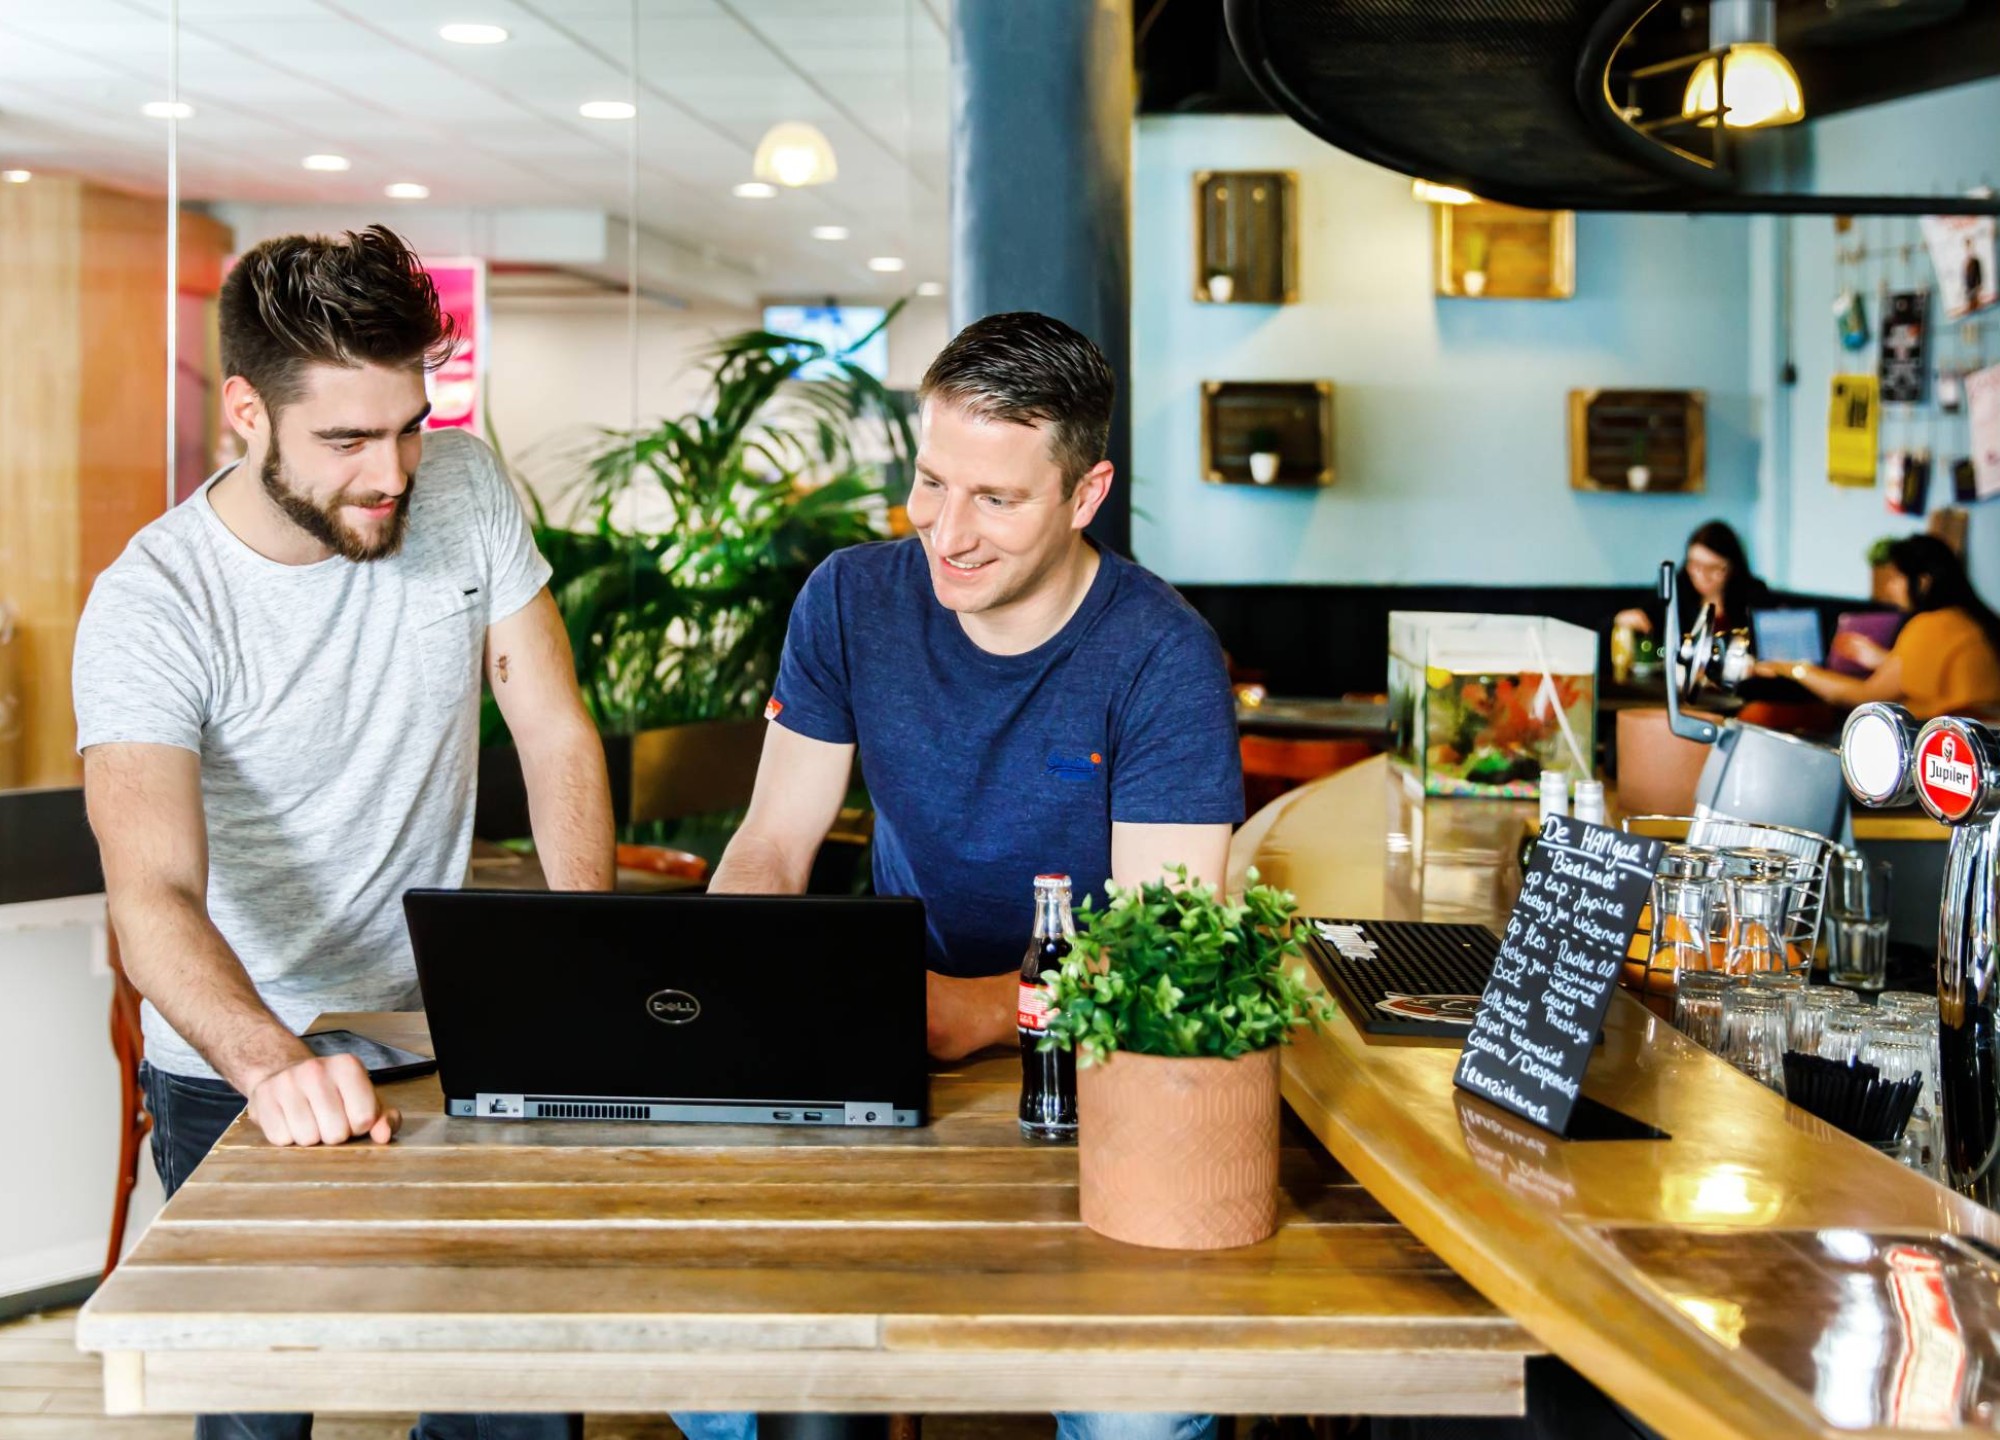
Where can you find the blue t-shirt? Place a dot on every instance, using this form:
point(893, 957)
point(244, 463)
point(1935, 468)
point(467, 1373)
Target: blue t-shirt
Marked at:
point(988, 770)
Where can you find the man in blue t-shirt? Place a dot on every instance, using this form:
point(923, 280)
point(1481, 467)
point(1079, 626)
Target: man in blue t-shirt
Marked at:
point(1022, 702)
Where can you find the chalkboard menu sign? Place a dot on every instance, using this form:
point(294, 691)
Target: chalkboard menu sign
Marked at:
point(1557, 964)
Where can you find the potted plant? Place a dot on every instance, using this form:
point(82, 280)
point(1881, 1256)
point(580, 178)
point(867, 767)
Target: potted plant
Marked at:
point(1478, 244)
point(1221, 286)
point(1638, 474)
point(1176, 1000)
point(1265, 457)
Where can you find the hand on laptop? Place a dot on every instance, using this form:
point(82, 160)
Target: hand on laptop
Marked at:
point(321, 1100)
point(1853, 646)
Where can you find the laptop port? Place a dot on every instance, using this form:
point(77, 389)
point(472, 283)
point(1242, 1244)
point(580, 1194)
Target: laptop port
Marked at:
point(781, 1114)
point(814, 1115)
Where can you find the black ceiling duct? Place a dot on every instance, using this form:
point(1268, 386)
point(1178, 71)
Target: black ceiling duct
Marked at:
point(1510, 99)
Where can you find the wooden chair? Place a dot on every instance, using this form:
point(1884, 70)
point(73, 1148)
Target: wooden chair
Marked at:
point(128, 1044)
point(1272, 765)
point(699, 769)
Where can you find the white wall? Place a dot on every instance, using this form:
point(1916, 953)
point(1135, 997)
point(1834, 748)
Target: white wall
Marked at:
point(1450, 414)
point(59, 1127)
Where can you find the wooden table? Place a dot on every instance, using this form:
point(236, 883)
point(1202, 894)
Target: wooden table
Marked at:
point(606, 1267)
point(1679, 1275)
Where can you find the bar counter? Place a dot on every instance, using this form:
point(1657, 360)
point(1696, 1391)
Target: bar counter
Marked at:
point(1741, 1278)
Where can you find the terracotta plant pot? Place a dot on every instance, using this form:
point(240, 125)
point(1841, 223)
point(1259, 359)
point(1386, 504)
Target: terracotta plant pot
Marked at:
point(1179, 1153)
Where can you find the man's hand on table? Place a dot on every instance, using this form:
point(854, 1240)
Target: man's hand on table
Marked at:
point(969, 1015)
point(321, 1100)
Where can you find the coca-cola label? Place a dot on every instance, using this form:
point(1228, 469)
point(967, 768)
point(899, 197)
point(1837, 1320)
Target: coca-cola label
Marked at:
point(1947, 774)
point(1032, 1012)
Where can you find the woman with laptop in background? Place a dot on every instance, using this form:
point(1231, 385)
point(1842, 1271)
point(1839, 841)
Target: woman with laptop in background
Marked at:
point(1715, 573)
point(1946, 659)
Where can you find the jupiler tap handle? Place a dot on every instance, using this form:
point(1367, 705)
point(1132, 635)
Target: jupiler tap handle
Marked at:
point(1878, 746)
point(1956, 770)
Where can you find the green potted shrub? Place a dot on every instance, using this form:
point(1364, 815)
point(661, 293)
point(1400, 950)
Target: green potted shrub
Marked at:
point(1175, 1000)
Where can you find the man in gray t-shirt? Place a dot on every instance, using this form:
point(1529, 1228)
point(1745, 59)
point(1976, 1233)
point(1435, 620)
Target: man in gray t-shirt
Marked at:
point(277, 693)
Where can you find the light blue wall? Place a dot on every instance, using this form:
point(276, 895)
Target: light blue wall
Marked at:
point(1450, 414)
point(1937, 143)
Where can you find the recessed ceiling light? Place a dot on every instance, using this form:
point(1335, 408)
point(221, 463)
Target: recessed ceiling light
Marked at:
point(168, 109)
point(754, 190)
point(607, 110)
point(829, 232)
point(472, 34)
point(327, 162)
point(886, 264)
point(407, 190)
point(17, 177)
point(794, 153)
point(930, 288)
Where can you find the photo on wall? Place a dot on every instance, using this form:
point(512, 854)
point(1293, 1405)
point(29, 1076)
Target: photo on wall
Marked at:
point(1961, 249)
point(1905, 363)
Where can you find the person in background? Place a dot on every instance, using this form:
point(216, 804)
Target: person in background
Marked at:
point(1946, 660)
point(277, 695)
point(1715, 573)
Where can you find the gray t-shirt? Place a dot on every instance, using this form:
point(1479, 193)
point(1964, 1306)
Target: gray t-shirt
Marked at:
point(335, 708)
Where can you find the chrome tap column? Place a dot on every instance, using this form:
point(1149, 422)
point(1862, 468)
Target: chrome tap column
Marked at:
point(1952, 766)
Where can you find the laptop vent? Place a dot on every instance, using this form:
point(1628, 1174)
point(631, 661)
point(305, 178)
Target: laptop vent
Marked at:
point(590, 1110)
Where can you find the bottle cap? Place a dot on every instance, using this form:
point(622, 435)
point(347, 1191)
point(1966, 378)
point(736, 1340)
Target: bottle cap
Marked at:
point(1052, 882)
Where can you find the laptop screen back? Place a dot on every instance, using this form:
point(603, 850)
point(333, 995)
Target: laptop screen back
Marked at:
point(1789, 635)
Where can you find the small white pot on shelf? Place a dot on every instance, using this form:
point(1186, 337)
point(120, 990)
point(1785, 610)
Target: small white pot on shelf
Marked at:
point(1474, 282)
point(1638, 477)
point(1263, 466)
point(1221, 288)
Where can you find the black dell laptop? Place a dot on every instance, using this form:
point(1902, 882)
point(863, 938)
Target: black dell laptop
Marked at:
point(737, 1009)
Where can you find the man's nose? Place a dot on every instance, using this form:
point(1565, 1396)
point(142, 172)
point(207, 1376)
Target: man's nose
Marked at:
point(951, 532)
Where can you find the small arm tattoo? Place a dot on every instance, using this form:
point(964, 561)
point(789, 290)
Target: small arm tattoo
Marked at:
point(500, 668)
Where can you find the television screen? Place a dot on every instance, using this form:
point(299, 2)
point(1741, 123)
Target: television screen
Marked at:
point(837, 327)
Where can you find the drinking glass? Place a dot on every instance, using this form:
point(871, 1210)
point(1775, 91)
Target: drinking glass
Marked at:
point(1756, 895)
point(1859, 908)
point(1845, 1034)
point(1809, 1020)
point(1753, 1034)
point(1897, 1047)
point(1698, 999)
point(1788, 983)
point(1680, 924)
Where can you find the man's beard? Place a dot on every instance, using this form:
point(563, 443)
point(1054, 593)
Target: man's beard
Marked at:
point(324, 523)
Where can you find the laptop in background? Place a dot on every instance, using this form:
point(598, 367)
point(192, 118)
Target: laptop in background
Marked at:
point(1789, 635)
point(1881, 626)
point(732, 1009)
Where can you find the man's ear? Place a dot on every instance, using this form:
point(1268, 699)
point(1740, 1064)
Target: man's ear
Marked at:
point(1090, 494)
point(244, 409)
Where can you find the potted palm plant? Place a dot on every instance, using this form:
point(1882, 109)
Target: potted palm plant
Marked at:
point(1176, 1000)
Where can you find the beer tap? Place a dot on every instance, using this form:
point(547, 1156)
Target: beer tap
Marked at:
point(1952, 767)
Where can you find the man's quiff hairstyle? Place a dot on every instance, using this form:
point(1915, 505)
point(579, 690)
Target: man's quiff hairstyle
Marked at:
point(1030, 369)
point(299, 300)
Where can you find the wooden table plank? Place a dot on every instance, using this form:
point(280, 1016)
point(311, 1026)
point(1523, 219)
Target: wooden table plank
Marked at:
point(623, 1267)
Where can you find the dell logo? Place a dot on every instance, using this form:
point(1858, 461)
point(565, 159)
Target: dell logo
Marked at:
point(672, 1007)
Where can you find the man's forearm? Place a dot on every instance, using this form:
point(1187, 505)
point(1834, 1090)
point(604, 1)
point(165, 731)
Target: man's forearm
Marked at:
point(569, 809)
point(177, 959)
point(969, 1015)
point(753, 865)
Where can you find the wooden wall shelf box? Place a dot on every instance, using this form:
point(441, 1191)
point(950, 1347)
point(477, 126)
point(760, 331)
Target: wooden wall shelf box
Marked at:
point(1246, 237)
point(1612, 431)
point(1512, 254)
point(1300, 412)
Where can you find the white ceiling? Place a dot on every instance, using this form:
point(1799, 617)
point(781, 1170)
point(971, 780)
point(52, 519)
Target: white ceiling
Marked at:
point(497, 126)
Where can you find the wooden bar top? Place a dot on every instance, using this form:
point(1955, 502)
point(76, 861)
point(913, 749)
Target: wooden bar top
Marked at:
point(606, 1267)
point(1757, 1274)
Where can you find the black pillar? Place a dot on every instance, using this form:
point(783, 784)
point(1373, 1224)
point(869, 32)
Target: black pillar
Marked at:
point(1041, 198)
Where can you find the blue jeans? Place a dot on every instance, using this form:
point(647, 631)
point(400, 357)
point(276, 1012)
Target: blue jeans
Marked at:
point(189, 1116)
point(1109, 1425)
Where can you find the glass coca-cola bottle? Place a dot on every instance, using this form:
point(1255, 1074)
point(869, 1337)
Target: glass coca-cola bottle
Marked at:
point(1048, 1077)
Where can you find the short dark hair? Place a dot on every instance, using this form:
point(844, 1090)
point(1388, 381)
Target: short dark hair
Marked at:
point(1031, 369)
point(299, 300)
